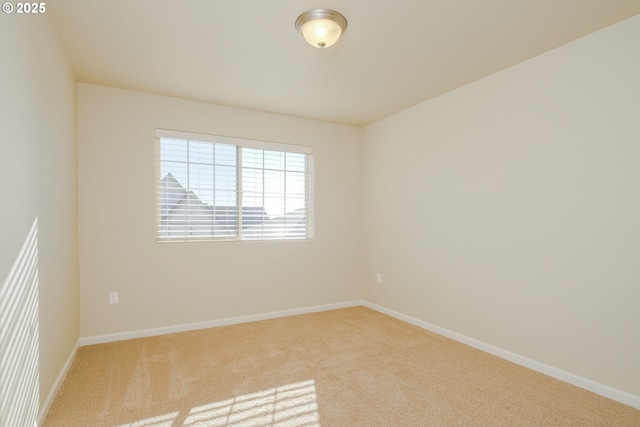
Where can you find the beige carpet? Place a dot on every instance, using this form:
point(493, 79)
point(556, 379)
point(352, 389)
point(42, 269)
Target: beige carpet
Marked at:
point(350, 367)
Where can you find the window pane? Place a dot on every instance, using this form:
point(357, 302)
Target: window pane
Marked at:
point(273, 182)
point(201, 152)
point(225, 178)
point(252, 158)
point(252, 180)
point(225, 154)
point(200, 178)
point(295, 183)
point(274, 160)
point(226, 220)
point(206, 196)
point(225, 198)
point(253, 215)
point(178, 173)
point(274, 206)
point(295, 162)
point(294, 203)
point(173, 149)
point(253, 199)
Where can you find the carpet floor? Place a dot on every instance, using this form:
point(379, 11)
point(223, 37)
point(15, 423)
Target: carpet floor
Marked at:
point(348, 367)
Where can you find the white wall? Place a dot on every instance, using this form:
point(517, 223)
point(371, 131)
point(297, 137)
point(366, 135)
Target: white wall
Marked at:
point(39, 297)
point(172, 284)
point(508, 210)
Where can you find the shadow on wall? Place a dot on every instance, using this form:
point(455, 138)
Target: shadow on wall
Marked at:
point(19, 377)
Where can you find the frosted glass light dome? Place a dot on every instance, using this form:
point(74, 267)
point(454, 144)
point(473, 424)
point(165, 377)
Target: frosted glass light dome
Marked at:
point(321, 27)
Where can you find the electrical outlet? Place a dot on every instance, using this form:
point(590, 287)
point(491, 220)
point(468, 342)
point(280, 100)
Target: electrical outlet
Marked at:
point(113, 297)
point(379, 277)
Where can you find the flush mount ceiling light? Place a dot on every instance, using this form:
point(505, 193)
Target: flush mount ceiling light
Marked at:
point(321, 27)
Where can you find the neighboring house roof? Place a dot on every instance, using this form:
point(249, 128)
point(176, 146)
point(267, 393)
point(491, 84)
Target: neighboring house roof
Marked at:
point(172, 193)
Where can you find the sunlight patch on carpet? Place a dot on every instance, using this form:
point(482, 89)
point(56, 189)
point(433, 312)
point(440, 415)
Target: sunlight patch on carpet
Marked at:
point(289, 405)
point(165, 420)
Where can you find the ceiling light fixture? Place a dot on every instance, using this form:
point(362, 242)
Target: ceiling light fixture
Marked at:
point(321, 27)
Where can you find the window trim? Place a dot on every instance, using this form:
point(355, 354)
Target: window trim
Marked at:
point(240, 143)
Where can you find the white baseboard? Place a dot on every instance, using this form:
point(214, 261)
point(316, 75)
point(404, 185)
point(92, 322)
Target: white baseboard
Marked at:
point(100, 339)
point(56, 385)
point(601, 389)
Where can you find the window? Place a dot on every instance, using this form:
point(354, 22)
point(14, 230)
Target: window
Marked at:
point(221, 188)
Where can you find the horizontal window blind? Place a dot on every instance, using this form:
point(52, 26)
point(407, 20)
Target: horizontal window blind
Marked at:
point(221, 188)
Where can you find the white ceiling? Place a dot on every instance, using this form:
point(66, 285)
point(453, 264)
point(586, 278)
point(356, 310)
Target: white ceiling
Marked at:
point(247, 53)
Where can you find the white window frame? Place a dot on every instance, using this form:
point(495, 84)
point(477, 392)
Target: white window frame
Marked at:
point(240, 143)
